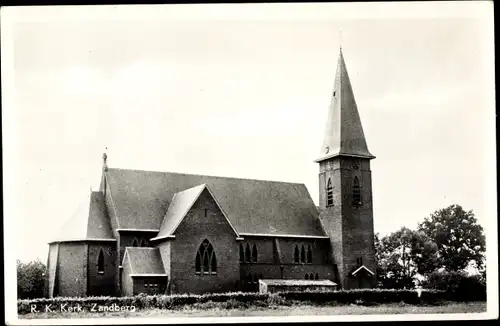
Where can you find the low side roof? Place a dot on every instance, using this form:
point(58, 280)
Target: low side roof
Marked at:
point(298, 282)
point(144, 260)
point(90, 221)
point(141, 200)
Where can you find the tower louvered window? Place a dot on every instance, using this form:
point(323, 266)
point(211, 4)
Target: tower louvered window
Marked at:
point(100, 263)
point(206, 262)
point(356, 192)
point(329, 193)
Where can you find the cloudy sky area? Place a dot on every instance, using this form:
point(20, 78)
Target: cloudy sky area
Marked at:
point(247, 98)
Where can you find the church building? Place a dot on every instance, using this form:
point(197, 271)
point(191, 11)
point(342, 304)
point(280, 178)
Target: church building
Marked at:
point(165, 232)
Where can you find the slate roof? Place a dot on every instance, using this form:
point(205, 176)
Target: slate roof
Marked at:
point(144, 260)
point(141, 200)
point(89, 222)
point(343, 132)
point(298, 282)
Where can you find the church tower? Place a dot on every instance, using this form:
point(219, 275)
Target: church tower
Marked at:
point(345, 188)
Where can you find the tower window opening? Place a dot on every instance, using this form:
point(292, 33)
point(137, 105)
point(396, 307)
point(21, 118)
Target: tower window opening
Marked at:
point(329, 193)
point(100, 263)
point(356, 192)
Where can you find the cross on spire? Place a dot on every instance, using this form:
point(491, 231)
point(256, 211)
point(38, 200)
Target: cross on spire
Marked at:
point(105, 159)
point(340, 39)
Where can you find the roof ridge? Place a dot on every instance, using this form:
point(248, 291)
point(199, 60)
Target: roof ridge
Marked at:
point(207, 175)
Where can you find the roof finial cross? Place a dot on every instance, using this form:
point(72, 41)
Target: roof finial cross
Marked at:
point(340, 39)
point(105, 159)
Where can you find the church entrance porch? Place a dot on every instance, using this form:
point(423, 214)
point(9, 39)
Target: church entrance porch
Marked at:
point(364, 278)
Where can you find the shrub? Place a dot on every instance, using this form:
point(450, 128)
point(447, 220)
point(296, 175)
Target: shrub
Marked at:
point(30, 279)
point(242, 300)
point(458, 285)
point(366, 296)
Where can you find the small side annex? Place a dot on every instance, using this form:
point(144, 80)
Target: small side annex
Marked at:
point(143, 272)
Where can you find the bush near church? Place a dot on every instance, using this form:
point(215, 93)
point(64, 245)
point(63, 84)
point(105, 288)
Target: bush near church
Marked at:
point(250, 299)
point(30, 279)
point(461, 286)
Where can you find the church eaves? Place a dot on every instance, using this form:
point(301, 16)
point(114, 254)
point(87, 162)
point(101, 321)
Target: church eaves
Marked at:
point(344, 134)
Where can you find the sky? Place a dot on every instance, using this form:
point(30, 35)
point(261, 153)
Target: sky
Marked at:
point(244, 92)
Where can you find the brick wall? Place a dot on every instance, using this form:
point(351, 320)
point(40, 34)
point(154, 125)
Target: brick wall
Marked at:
point(52, 262)
point(127, 284)
point(149, 285)
point(102, 284)
point(350, 227)
point(191, 232)
point(71, 269)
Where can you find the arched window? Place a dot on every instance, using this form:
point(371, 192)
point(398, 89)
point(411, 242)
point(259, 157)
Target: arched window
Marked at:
point(311, 276)
point(247, 253)
point(100, 263)
point(356, 192)
point(329, 193)
point(242, 253)
point(254, 253)
point(302, 255)
point(143, 243)
point(206, 262)
point(309, 254)
point(134, 243)
point(306, 277)
point(296, 254)
point(316, 277)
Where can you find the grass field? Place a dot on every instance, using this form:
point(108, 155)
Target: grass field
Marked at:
point(294, 310)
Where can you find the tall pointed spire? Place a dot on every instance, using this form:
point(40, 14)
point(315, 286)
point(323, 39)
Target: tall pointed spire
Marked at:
point(343, 133)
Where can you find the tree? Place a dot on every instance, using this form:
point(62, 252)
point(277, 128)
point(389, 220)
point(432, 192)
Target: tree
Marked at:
point(30, 279)
point(459, 238)
point(402, 255)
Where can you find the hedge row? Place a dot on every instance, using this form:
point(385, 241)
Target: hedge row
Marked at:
point(370, 296)
point(242, 299)
point(140, 301)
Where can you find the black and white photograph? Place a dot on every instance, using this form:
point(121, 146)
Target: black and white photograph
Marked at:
point(247, 163)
